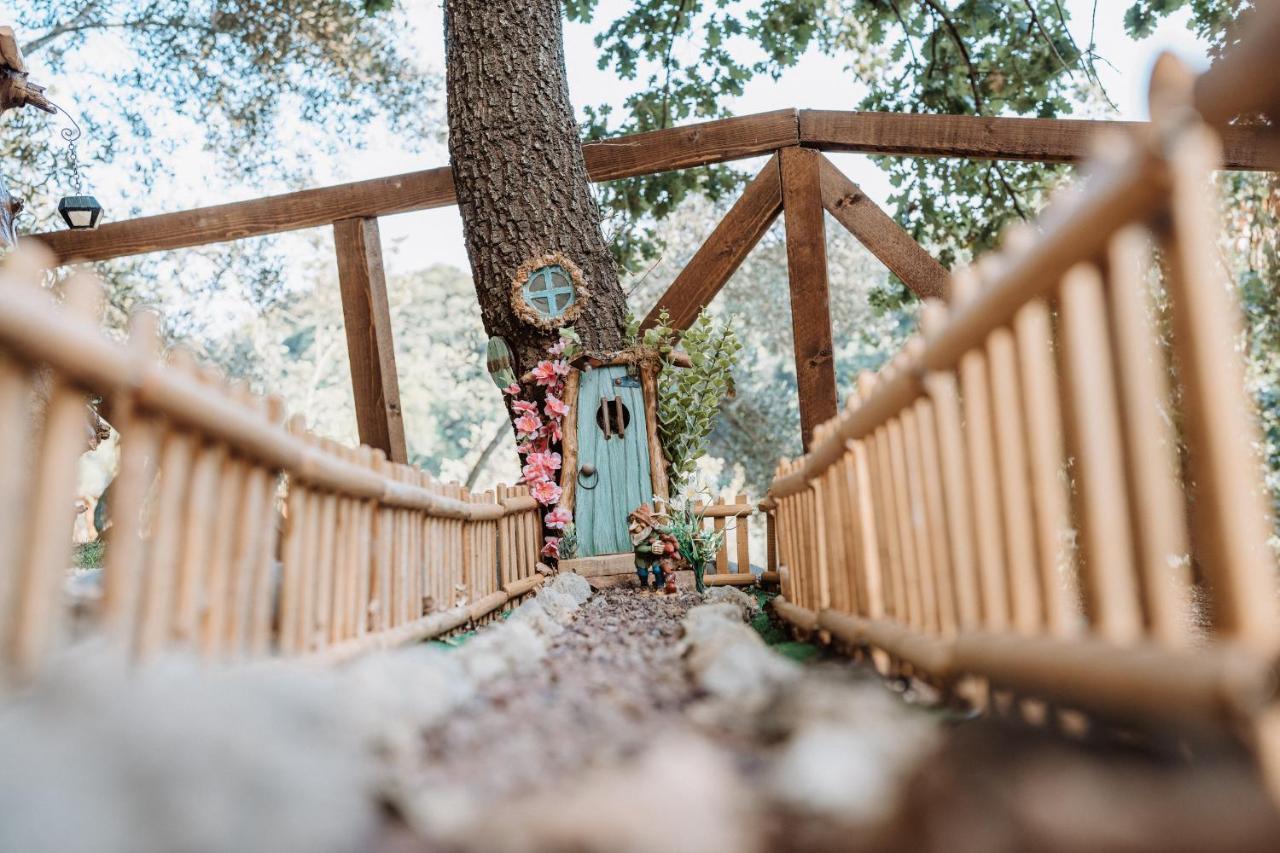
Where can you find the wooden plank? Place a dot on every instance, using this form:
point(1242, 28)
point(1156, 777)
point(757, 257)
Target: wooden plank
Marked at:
point(1046, 140)
point(601, 565)
point(743, 531)
point(876, 230)
point(716, 141)
point(367, 318)
point(719, 141)
point(719, 257)
point(810, 298)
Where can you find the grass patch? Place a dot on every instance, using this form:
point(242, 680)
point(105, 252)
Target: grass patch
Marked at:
point(775, 634)
point(457, 640)
point(798, 652)
point(89, 555)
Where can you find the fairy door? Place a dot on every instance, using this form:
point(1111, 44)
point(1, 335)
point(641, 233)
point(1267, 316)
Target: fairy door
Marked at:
point(613, 460)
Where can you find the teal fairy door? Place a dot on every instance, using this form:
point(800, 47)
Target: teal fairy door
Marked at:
point(613, 460)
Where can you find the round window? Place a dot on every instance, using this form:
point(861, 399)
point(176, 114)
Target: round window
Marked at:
point(549, 291)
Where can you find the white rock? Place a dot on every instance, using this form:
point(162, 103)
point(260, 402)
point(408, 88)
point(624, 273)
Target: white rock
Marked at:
point(732, 595)
point(574, 585)
point(682, 796)
point(404, 692)
point(505, 649)
point(729, 662)
point(532, 613)
point(175, 757)
point(559, 606)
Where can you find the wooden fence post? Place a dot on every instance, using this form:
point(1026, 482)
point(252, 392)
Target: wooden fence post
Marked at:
point(367, 318)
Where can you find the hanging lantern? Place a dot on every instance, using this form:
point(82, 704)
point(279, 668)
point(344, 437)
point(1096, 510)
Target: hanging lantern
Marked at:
point(80, 212)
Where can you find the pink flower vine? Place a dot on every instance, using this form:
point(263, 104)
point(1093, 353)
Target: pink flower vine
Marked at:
point(537, 435)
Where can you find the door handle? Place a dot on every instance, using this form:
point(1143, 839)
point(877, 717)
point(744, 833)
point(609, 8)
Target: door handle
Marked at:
point(585, 472)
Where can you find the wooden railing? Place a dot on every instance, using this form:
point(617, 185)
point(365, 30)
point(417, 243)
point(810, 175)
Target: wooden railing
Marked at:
point(232, 533)
point(1026, 498)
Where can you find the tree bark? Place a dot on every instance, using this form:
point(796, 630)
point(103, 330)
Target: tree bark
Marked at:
point(517, 163)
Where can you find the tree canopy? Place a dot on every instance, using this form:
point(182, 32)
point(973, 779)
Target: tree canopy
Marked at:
point(688, 58)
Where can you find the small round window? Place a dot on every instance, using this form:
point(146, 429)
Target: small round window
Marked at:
point(549, 291)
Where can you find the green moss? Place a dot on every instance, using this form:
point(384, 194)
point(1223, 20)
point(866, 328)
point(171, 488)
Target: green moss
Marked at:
point(799, 652)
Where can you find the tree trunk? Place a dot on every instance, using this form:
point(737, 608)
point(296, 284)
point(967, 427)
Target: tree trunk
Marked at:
point(521, 181)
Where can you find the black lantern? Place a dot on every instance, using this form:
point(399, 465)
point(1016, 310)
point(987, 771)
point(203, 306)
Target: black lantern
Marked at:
point(80, 212)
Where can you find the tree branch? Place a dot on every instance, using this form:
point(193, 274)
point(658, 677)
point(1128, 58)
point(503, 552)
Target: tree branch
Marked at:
point(964, 52)
point(477, 468)
point(73, 25)
point(1035, 19)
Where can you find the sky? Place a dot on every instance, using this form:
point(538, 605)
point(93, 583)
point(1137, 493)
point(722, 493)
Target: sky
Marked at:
point(417, 240)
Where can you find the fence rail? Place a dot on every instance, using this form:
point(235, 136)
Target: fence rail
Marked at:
point(1051, 491)
point(233, 533)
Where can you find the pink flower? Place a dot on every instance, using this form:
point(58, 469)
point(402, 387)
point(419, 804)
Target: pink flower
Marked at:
point(549, 372)
point(528, 424)
point(535, 444)
point(545, 492)
point(557, 348)
point(524, 407)
point(558, 518)
point(541, 465)
point(555, 407)
point(554, 432)
point(512, 389)
point(552, 548)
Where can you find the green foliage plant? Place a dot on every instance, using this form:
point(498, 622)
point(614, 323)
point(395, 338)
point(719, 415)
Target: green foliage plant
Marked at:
point(697, 544)
point(689, 398)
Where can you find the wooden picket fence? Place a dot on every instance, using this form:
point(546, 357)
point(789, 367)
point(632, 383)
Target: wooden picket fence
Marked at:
point(1049, 492)
point(234, 533)
point(733, 515)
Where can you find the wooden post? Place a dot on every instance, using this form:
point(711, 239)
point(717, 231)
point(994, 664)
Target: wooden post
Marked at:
point(883, 237)
point(810, 299)
point(367, 318)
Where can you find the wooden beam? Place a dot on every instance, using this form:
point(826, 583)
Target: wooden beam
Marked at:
point(810, 299)
point(1048, 140)
point(627, 156)
point(719, 257)
point(720, 141)
point(876, 230)
point(717, 141)
point(367, 318)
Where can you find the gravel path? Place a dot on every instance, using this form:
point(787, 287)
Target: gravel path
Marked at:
point(610, 684)
point(608, 745)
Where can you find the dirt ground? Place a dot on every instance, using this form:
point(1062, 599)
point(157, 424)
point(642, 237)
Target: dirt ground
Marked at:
point(612, 744)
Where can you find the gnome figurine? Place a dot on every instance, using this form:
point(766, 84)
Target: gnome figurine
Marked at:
point(655, 548)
